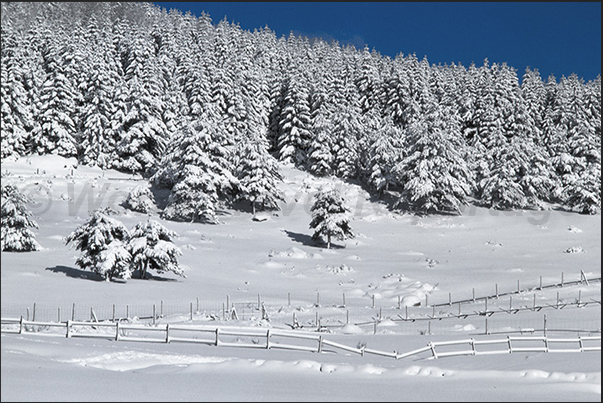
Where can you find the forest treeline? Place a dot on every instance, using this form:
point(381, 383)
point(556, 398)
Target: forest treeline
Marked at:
point(208, 109)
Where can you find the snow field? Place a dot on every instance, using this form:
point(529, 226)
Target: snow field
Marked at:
point(393, 256)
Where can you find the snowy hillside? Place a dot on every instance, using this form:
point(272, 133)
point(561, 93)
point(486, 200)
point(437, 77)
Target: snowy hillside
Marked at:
point(395, 262)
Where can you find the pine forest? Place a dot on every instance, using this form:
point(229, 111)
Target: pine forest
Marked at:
point(207, 111)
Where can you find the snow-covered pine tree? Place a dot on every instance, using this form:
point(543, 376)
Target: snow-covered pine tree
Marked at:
point(384, 152)
point(294, 122)
point(145, 134)
point(258, 174)
point(434, 176)
point(518, 176)
point(102, 241)
point(152, 248)
point(330, 216)
point(55, 131)
point(198, 171)
point(16, 119)
point(320, 154)
point(140, 199)
point(346, 131)
point(17, 222)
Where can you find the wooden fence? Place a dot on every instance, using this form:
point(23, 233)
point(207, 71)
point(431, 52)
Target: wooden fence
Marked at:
point(273, 339)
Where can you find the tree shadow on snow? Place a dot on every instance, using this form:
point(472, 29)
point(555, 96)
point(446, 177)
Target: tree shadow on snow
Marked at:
point(75, 273)
point(153, 278)
point(307, 240)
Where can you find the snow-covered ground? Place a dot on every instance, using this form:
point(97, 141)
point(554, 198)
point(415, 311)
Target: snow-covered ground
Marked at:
point(395, 261)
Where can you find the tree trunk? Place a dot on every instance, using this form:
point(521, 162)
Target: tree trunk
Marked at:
point(253, 207)
point(329, 241)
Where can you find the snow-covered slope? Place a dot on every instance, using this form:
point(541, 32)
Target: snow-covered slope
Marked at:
point(394, 259)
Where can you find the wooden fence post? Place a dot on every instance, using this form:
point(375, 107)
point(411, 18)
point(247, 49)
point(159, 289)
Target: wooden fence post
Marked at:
point(259, 301)
point(486, 325)
point(496, 285)
point(68, 332)
point(562, 282)
point(113, 319)
point(117, 331)
point(399, 302)
point(450, 299)
point(59, 314)
point(268, 339)
point(344, 299)
point(217, 335)
point(518, 286)
point(540, 283)
point(317, 298)
point(373, 297)
point(73, 311)
point(167, 332)
point(21, 325)
point(154, 315)
point(191, 311)
point(544, 325)
point(128, 311)
point(161, 309)
point(289, 299)
point(473, 290)
point(557, 300)
point(34, 313)
point(320, 344)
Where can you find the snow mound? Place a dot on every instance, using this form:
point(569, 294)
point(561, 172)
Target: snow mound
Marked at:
point(464, 328)
point(340, 269)
point(296, 253)
point(351, 329)
point(410, 300)
point(574, 249)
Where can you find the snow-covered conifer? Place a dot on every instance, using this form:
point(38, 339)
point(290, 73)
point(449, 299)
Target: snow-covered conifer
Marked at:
point(434, 176)
point(102, 241)
point(258, 174)
point(17, 222)
point(140, 199)
point(330, 216)
point(152, 248)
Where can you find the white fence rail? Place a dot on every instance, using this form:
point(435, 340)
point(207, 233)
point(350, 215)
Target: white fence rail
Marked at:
point(269, 339)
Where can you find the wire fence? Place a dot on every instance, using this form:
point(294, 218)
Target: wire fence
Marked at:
point(521, 310)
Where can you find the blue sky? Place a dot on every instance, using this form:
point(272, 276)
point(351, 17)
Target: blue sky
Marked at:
point(557, 38)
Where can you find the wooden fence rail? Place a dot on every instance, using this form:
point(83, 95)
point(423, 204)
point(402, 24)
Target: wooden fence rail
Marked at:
point(511, 343)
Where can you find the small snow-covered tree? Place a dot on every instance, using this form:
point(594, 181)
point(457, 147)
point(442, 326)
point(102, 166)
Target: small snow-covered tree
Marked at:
point(102, 241)
point(330, 216)
point(151, 247)
point(16, 222)
point(140, 199)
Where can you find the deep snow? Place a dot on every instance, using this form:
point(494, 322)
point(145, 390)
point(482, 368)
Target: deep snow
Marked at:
point(393, 258)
